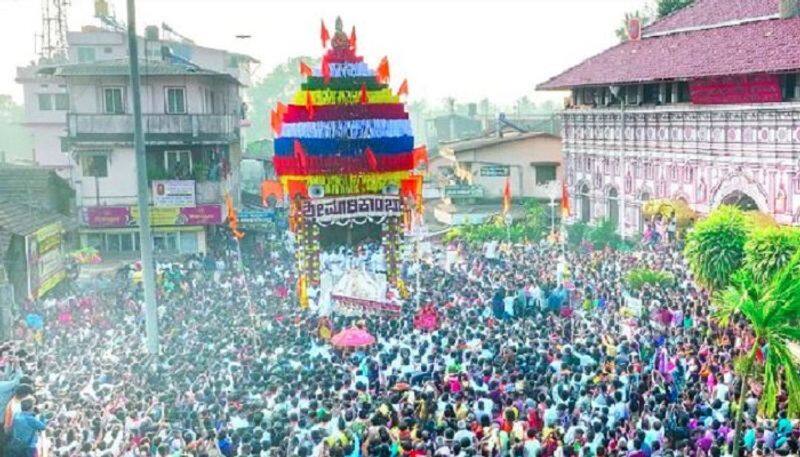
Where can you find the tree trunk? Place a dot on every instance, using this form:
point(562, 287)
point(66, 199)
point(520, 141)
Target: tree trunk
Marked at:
point(737, 435)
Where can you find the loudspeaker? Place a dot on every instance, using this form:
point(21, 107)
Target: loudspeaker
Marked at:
point(316, 191)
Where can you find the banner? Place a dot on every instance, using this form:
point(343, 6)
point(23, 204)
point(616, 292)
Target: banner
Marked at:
point(325, 210)
point(173, 193)
point(735, 89)
point(128, 216)
point(45, 259)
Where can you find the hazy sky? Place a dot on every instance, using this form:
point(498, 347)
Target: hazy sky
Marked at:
point(468, 49)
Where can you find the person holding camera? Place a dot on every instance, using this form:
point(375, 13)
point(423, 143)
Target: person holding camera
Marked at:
point(24, 436)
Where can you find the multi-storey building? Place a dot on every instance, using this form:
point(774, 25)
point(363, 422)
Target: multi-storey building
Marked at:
point(191, 122)
point(703, 106)
point(192, 108)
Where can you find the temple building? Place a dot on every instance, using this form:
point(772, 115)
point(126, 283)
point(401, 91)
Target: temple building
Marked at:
point(702, 105)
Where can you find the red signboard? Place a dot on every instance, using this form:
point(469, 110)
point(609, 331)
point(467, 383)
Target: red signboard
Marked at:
point(735, 89)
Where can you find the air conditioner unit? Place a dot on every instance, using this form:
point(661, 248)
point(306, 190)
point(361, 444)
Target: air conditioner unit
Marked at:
point(390, 189)
point(316, 191)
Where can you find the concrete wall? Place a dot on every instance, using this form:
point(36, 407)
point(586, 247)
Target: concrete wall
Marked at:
point(518, 155)
point(86, 94)
point(118, 188)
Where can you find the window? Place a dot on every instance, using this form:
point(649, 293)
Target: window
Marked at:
point(632, 95)
point(545, 174)
point(178, 163)
point(86, 54)
point(165, 241)
point(651, 93)
point(683, 92)
point(667, 93)
point(45, 102)
point(790, 87)
point(53, 102)
point(95, 165)
point(96, 240)
point(176, 100)
point(209, 101)
point(61, 102)
point(113, 102)
point(108, 50)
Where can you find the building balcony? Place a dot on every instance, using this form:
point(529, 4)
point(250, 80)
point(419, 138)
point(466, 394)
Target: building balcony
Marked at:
point(764, 131)
point(159, 128)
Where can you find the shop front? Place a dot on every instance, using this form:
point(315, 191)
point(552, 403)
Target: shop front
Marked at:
point(114, 231)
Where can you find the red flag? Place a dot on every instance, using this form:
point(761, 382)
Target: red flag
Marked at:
point(326, 71)
point(305, 70)
point(383, 70)
point(352, 39)
point(364, 97)
point(371, 159)
point(403, 90)
point(323, 34)
point(565, 207)
point(309, 105)
point(507, 197)
point(300, 155)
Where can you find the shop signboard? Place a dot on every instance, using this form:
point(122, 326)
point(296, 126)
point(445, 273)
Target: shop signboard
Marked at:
point(173, 193)
point(494, 171)
point(128, 216)
point(45, 259)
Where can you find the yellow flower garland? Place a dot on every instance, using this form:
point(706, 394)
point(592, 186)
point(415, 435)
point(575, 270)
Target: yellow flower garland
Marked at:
point(349, 184)
point(344, 97)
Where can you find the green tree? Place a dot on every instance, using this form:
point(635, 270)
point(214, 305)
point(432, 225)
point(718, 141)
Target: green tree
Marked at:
point(771, 310)
point(667, 7)
point(16, 143)
point(769, 249)
point(715, 247)
point(280, 84)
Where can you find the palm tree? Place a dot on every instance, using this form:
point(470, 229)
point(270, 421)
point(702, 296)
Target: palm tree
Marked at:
point(772, 310)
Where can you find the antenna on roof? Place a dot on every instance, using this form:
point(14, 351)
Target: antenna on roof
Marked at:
point(53, 38)
point(106, 17)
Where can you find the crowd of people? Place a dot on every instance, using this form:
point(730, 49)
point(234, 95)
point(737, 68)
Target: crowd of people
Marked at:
point(536, 353)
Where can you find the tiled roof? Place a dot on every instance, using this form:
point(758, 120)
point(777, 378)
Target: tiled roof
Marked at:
point(755, 47)
point(704, 13)
point(23, 220)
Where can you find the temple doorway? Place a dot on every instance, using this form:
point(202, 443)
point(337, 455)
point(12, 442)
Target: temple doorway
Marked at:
point(740, 200)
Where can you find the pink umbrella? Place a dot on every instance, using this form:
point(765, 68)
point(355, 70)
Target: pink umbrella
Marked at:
point(352, 337)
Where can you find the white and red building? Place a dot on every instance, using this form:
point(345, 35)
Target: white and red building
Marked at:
point(704, 107)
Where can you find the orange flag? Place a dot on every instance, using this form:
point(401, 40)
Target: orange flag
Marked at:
point(383, 70)
point(309, 105)
point(420, 155)
point(364, 97)
point(323, 34)
point(305, 70)
point(403, 90)
point(565, 207)
point(281, 109)
point(352, 39)
point(507, 197)
point(273, 122)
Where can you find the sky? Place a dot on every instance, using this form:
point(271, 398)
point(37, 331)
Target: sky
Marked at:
point(467, 49)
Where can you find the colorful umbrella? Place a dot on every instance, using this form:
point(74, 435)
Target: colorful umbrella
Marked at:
point(353, 337)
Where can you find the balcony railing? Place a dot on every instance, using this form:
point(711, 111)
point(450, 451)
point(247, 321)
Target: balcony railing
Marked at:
point(157, 127)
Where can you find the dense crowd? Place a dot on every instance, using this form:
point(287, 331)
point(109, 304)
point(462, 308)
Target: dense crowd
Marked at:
point(537, 354)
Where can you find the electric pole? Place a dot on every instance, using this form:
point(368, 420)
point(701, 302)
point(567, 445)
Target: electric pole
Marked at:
point(145, 238)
